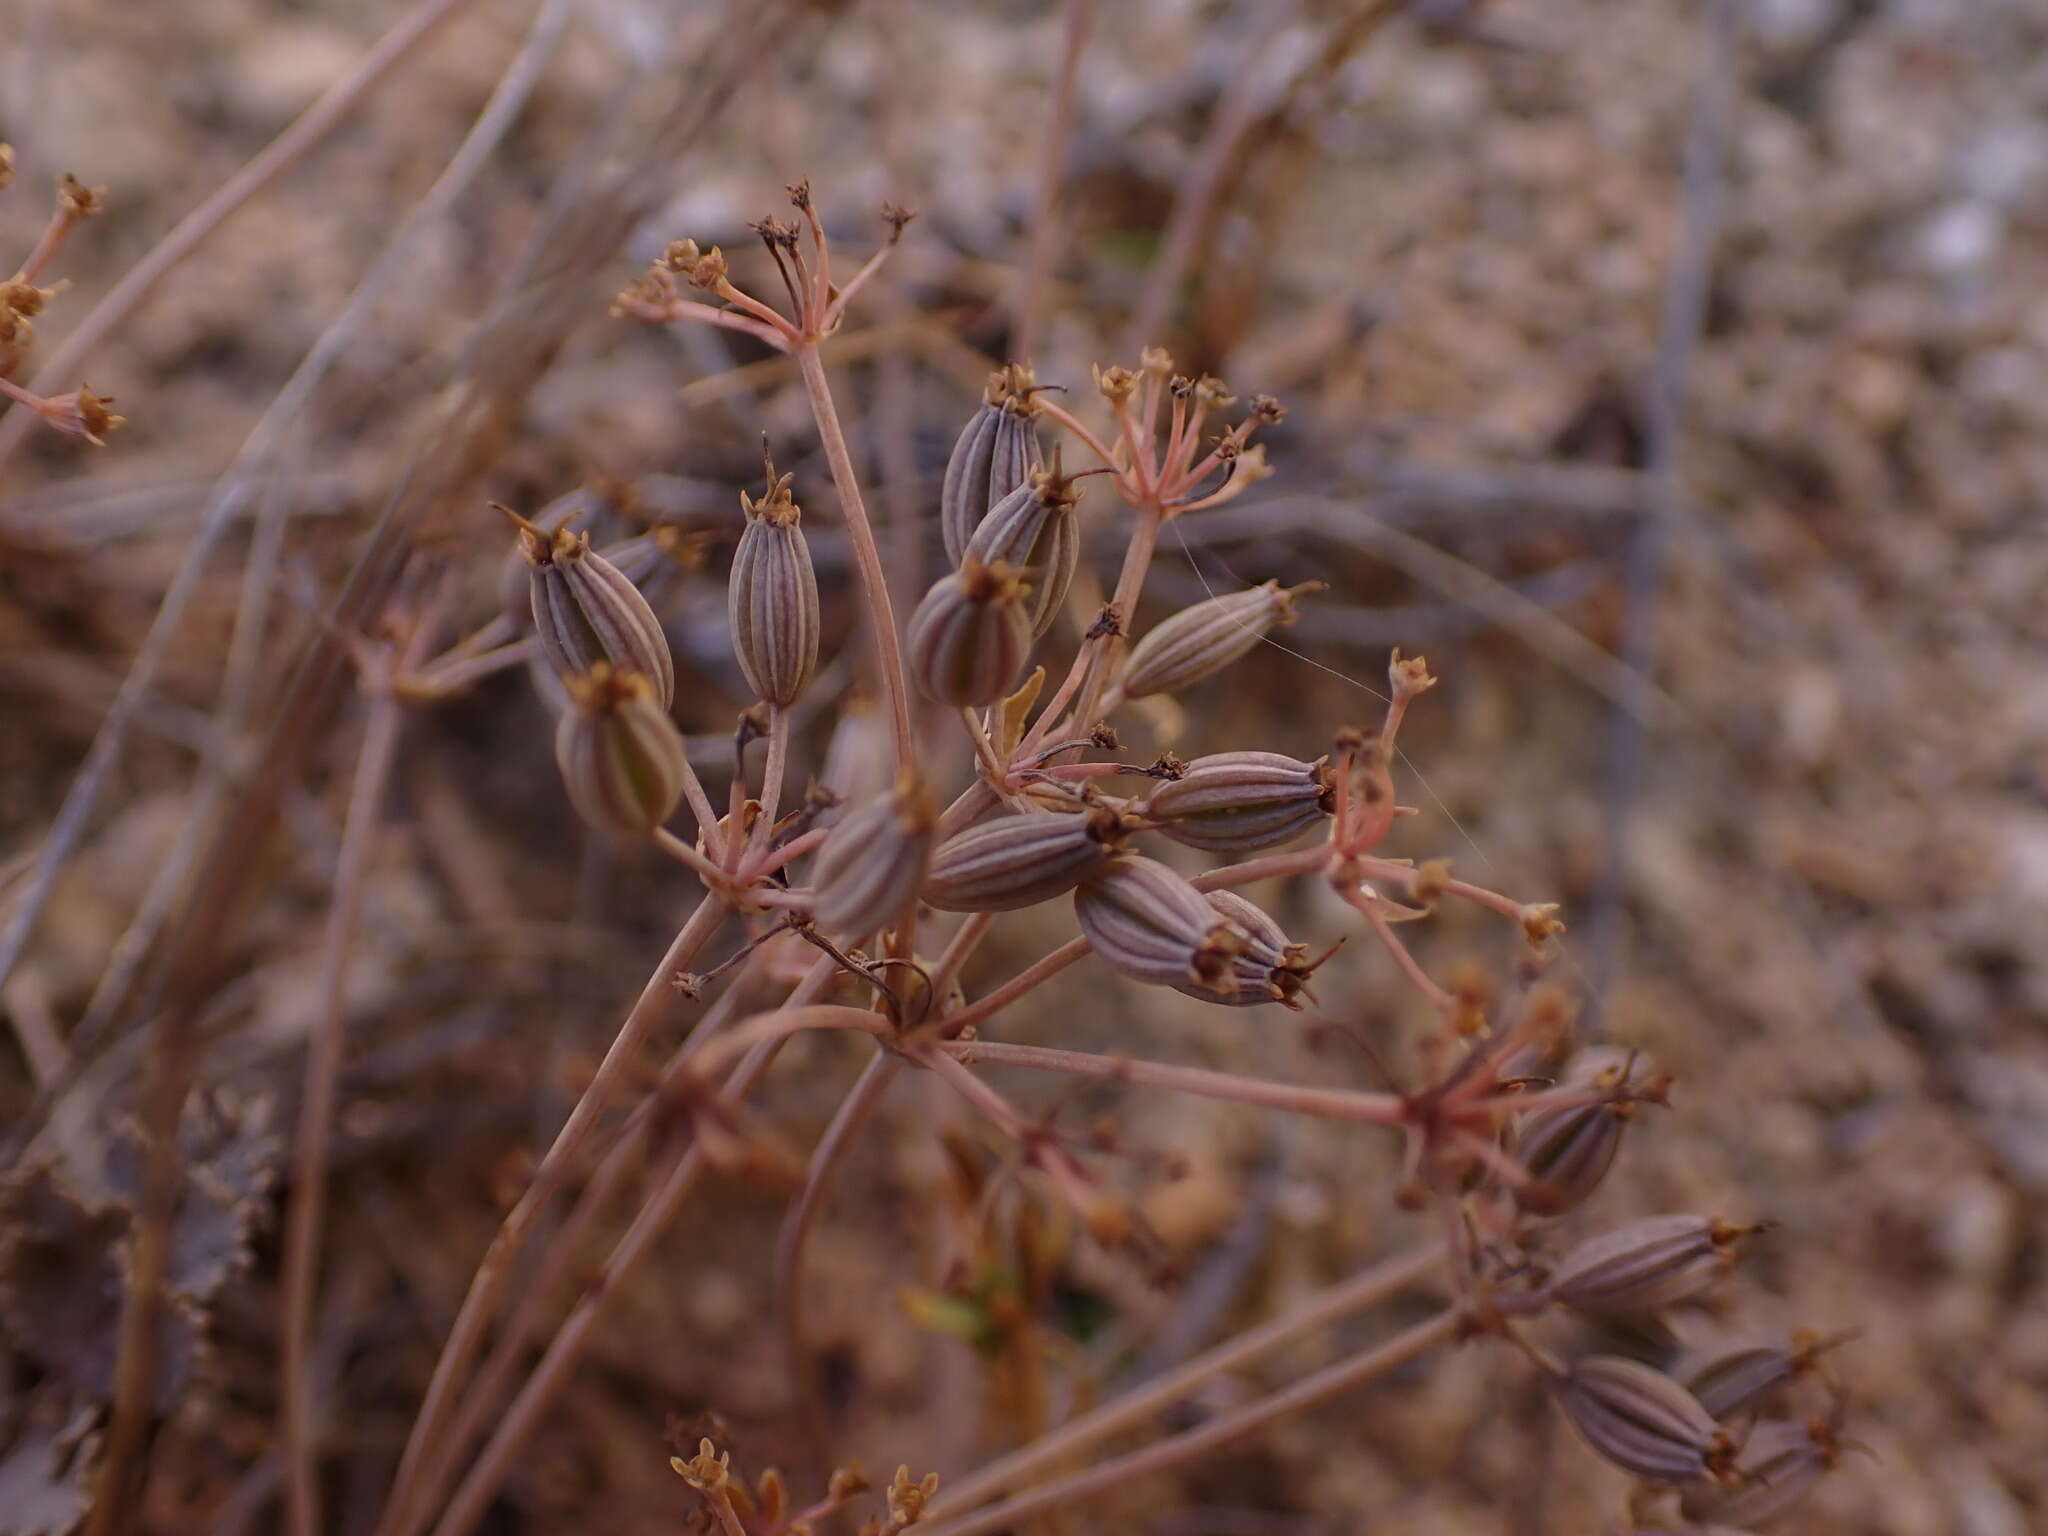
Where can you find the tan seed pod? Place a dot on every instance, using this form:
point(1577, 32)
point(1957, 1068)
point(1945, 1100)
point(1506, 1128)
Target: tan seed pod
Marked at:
point(1566, 1153)
point(1034, 529)
point(621, 758)
point(994, 455)
point(1733, 1380)
point(1646, 1265)
point(772, 597)
point(1181, 650)
point(1268, 969)
point(1151, 925)
point(586, 611)
point(971, 635)
point(874, 862)
point(1779, 1464)
point(1238, 802)
point(1010, 862)
point(1642, 1421)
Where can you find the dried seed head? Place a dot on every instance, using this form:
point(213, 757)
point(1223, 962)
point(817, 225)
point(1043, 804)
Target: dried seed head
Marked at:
point(1736, 1379)
point(1779, 1464)
point(971, 635)
point(619, 753)
point(1034, 529)
point(873, 863)
point(1645, 1265)
point(772, 596)
point(1237, 802)
point(1642, 1421)
point(1151, 925)
point(1181, 650)
point(1566, 1153)
point(1268, 969)
point(995, 455)
point(586, 611)
point(1017, 861)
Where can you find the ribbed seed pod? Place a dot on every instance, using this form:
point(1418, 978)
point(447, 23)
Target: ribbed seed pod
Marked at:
point(994, 455)
point(1736, 1379)
point(1151, 925)
point(1566, 1152)
point(1779, 1464)
point(585, 610)
point(971, 635)
point(1238, 802)
point(1008, 862)
point(1267, 970)
point(1641, 1266)
point(1181, 650)
point(771, 597)
point(1642, 1421)
point(873, 863)
point(1034, 529)
point(619, 753)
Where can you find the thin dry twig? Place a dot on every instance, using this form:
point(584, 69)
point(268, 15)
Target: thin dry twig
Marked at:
point(300, 1265)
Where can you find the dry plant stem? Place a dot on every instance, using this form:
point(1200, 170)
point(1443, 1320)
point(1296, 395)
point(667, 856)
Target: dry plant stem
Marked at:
point(1368, 907)
point(492, 1467)
point(867, 558)
point(1274, 866)
point(487, 1388)
point(1366, 1288)
point(1131, 581)
point(1030, 295)
point(474, 1315)
point(1330, 1103)
point(958, 948)
point(276, 157)
point(713, 876)
point(300, 1265)
point(771, 782)
point(1318, 1387)
point(847, 1122)
point(1033, 975)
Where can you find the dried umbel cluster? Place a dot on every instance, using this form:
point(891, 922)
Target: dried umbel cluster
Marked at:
point(1165, 870)
point(78, 412)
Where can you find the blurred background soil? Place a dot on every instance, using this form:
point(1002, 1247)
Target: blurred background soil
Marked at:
point(1447, 243)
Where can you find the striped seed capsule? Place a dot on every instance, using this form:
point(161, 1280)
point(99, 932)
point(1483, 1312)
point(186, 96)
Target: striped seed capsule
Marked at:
point(1181, 650)
point(1779, 1464)
point(619, 753)
point(586, 611)
point(995, 455)
point(874, 861)
point(772, 596)
point(1267, 970)
point(1151, 925)
point(1736, 1379)
point(1034, 528)
point(1566, 1153)
point(971, 635)
point(1009, 862)
point(1237, 802)
point(1642, 1421)
point(1645, 1265)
